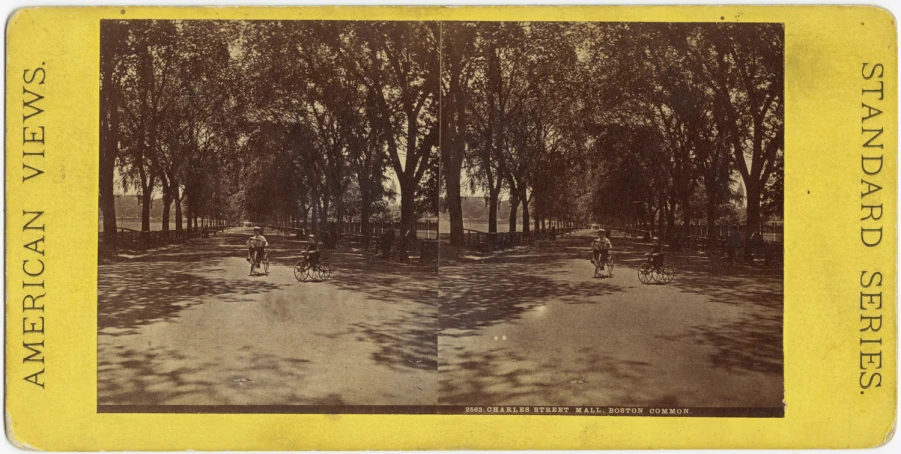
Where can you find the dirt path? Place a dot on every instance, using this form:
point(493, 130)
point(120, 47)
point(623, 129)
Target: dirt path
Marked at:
point(188, 326)
point(534, 327)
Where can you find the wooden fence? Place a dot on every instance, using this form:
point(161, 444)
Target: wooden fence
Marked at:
point(426, 229)
point(769, 232)
point(768, 243)
point(423, 240)
point(129, 239)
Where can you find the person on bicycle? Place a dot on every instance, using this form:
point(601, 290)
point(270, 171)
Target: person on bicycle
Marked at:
point(601, 247)
point(256, 246)
point(313, 250)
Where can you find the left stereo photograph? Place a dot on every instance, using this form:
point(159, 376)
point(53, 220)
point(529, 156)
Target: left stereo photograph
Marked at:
point(268, 216)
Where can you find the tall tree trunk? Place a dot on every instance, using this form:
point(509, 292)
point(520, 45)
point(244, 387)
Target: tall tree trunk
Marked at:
point(514, 206)
point(526, 225)
point(107, 173)
point(753, 210)
point(178, 213)
point(493, 196)
point(365, 212)
point(108, 200)
point(525, 210)
point(146, 199)
point(109, 141)
point(454, 200)
point(453, 146)
point(492, 212)
point(108, 205)
point(407, 218)
point(167, 204)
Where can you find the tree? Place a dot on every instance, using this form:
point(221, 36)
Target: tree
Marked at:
point(458, 67)
point(399, 64)
point(743, 66)
point(113, 42)
point(491, 103)
point(148, 87)
point(201, 116)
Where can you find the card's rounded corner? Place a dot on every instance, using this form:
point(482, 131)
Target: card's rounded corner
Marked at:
point(888, 436)
point(15, 16)
point(879, 431)
point(10, 434)
point(882, 14)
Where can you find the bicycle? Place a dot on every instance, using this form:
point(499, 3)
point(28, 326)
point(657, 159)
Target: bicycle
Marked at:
point(648, 272)
point(608, 264)
point(304, 271)
point(254, 264)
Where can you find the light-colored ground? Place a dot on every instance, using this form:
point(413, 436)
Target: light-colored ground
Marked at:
point(189, 326)
point(534, 327)
point(186, 325)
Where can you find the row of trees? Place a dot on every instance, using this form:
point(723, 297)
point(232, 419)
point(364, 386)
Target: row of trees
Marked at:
point(616, 122)
point(293, 121)
point(308, 121)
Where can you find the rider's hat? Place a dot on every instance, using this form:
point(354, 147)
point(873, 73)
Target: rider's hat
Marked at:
point(656, 238)
point(258, 228)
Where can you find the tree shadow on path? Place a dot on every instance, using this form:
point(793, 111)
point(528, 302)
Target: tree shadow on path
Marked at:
point(507, 377)
point(754, 342)
point(409, 293)
point(156, 286)
point(500, 289)
point(160, 376)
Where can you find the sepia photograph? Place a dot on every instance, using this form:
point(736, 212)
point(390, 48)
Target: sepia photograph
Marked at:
point(613, 198)
point(269, 214)
point(581, 218)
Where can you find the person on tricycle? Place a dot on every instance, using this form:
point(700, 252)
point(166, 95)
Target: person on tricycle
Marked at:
point(312, 251)
point(601, 248)
point(655, 258)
